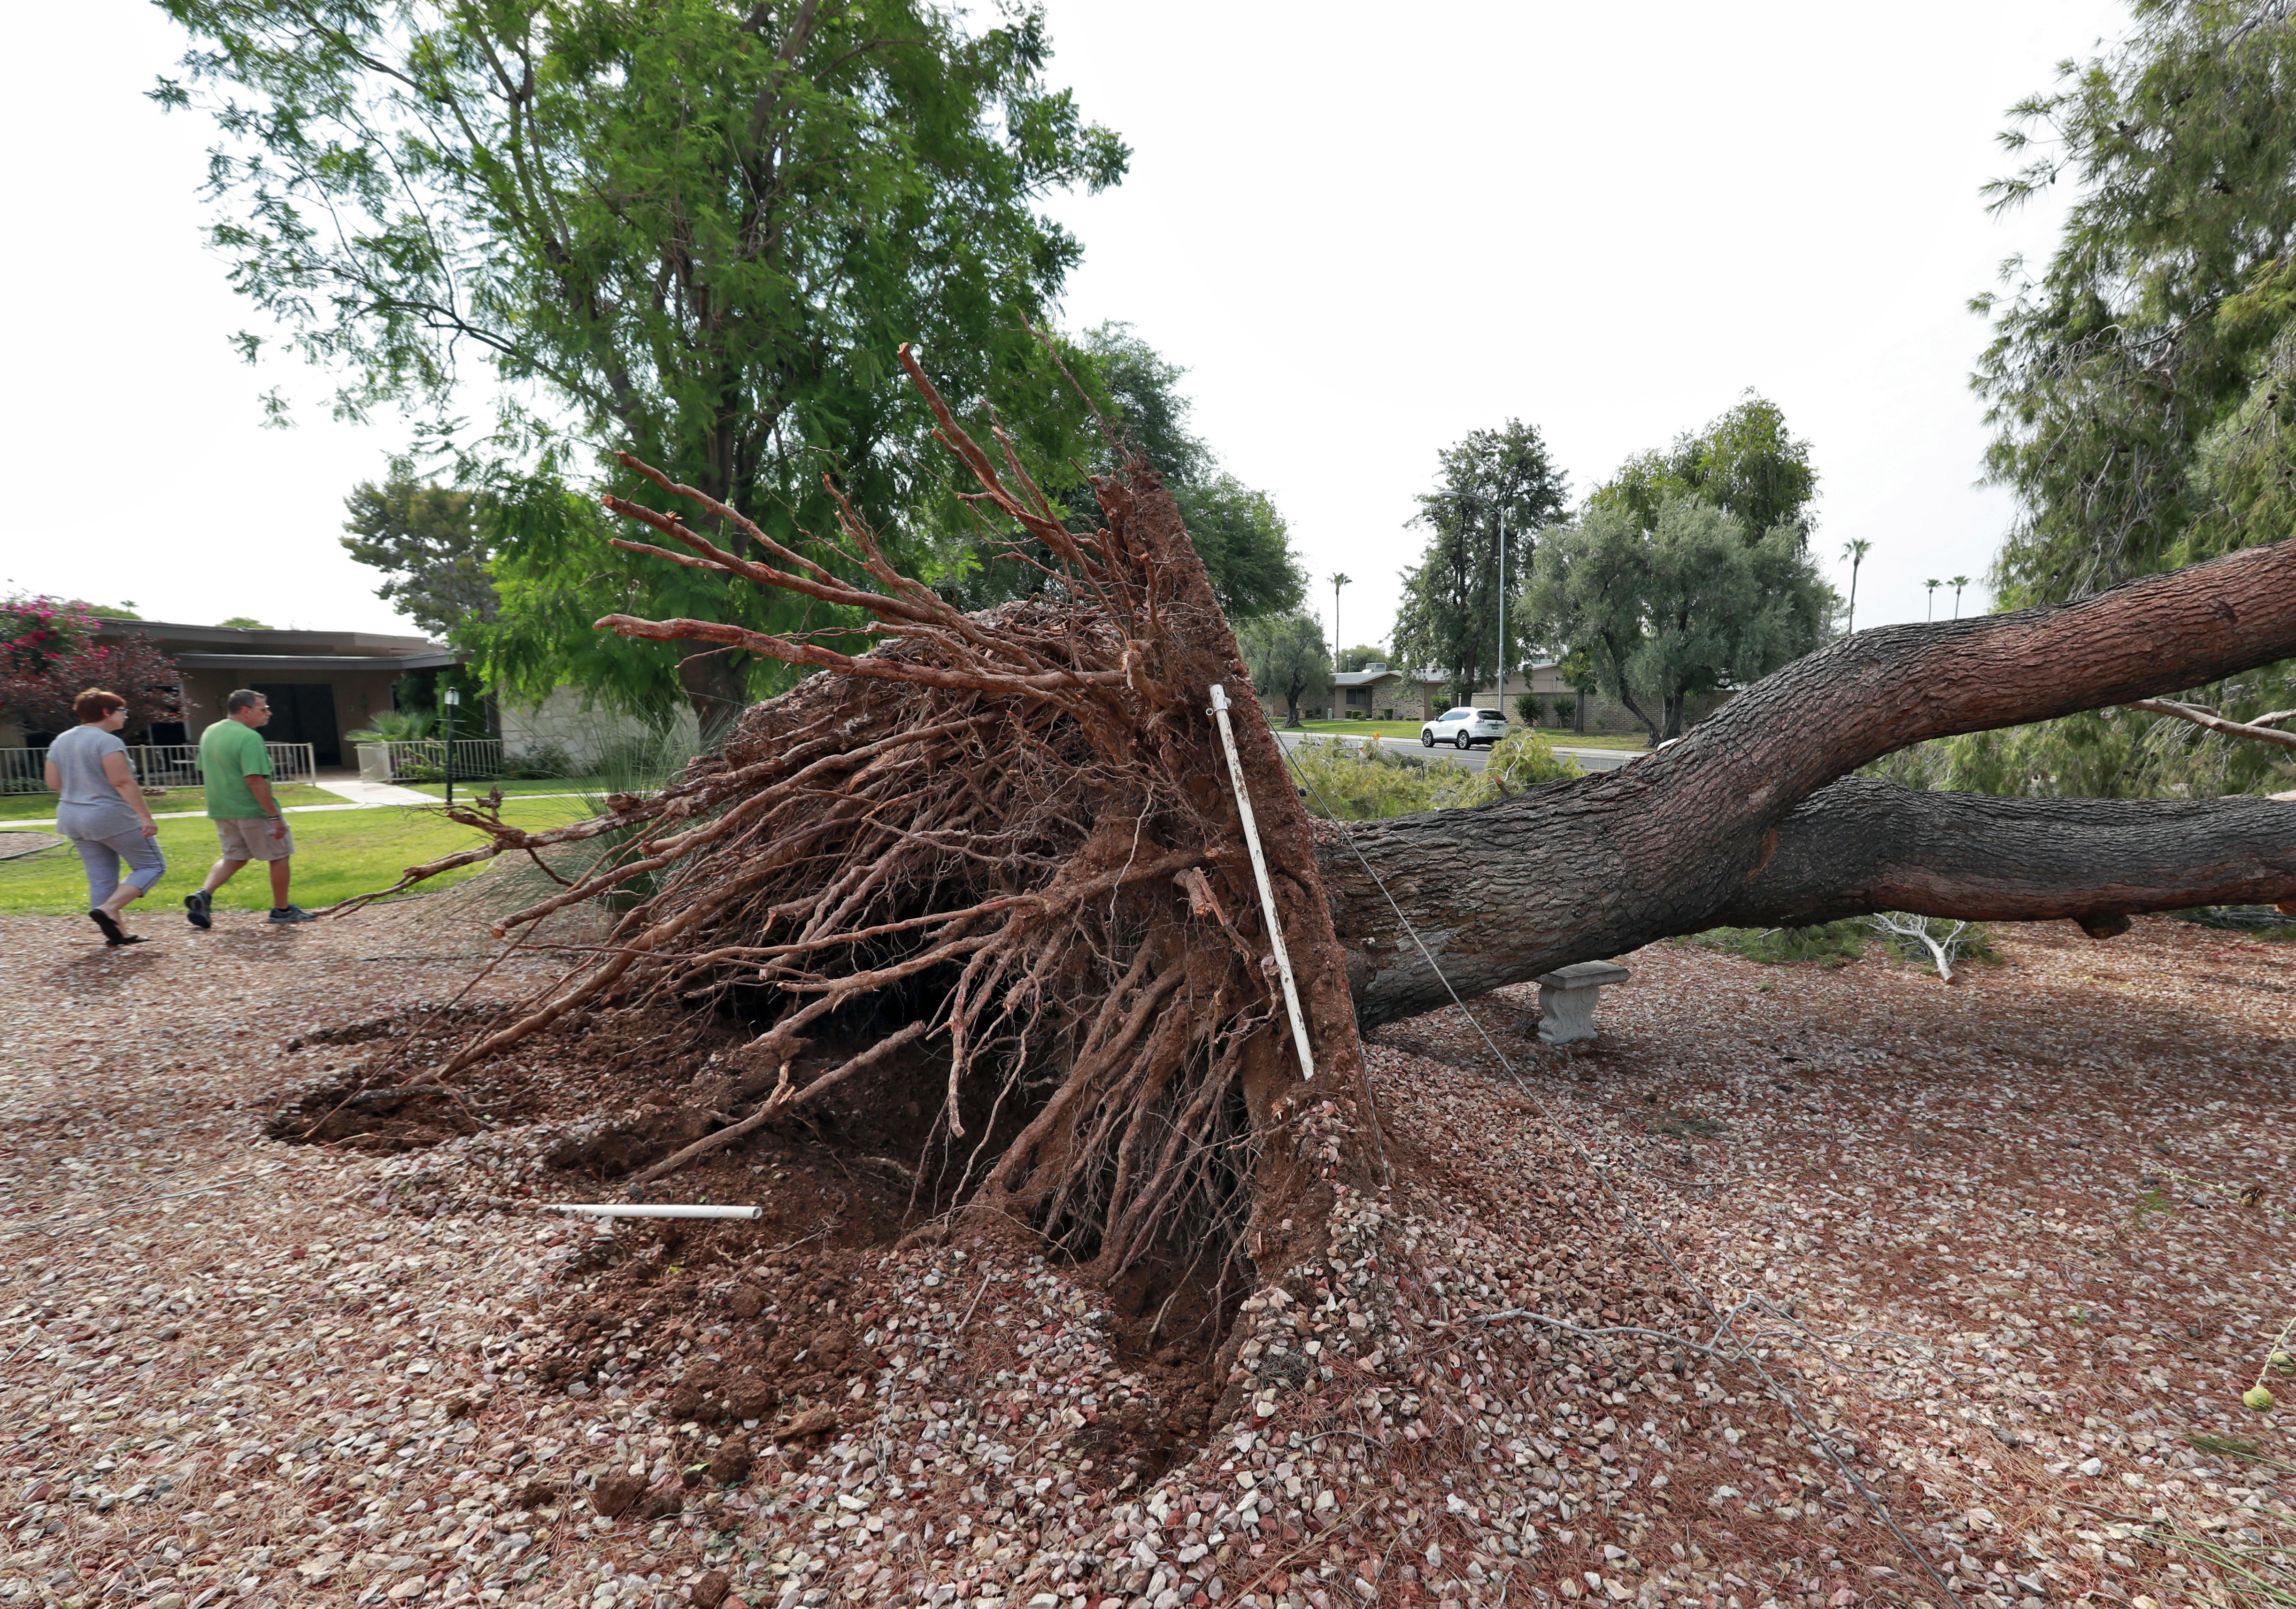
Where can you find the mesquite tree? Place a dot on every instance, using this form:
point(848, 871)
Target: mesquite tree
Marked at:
point(1008, 844)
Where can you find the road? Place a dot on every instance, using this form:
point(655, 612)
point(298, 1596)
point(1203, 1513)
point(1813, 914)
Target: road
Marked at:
point(1474, 759)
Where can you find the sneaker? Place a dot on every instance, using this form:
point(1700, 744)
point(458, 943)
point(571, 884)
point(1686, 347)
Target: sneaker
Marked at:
point(291, 913)
point(199, 909)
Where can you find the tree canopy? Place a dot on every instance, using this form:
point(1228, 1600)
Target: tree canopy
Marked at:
point(1686, 607)
point(1449, 616)
point(696, 230)
point(1288, 658)
point(1236, 529)
point(49, 655)
point(426, 542)
point(1745, 463)
point(2143, 384)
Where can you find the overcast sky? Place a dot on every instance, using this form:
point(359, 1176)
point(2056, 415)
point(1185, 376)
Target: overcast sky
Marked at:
point(1365, 232)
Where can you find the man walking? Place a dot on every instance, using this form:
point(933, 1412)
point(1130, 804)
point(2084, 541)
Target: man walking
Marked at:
point(238, 771)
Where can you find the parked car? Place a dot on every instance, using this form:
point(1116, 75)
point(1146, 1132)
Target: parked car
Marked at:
point(1464, 727)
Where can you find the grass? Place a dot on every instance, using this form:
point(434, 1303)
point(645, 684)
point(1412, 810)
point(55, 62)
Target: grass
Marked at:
point(511, 788)
point(1408, 730)
point(42, 806)
point(337, 854)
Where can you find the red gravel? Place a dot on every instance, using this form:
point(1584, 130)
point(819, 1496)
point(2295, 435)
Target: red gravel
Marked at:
point(1997, 1234)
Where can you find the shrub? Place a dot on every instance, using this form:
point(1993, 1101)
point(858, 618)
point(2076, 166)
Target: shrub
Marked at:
point(1370, 782)
point(1531, 708)
point(546, 759)
point(1837, 943)
point(394, 726)
point(1520, 761)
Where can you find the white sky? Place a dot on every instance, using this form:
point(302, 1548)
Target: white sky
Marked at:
point(1364, 232)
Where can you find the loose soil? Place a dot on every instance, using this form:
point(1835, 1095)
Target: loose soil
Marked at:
point(2007, 1253)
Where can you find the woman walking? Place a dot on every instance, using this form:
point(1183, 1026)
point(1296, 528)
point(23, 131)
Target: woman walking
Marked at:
point(104, 812)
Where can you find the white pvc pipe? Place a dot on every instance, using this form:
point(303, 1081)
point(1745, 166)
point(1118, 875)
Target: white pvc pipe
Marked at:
point(604, 1209)
point(1266, 888)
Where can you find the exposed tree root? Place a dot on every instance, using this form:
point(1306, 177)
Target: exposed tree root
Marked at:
point(1008, 836)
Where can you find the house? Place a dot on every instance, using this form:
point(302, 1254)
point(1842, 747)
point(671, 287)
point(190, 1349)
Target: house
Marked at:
point(320, 684)
point(1376, 693)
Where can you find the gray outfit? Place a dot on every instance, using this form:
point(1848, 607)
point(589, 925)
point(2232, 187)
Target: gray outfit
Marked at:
point(101, 824)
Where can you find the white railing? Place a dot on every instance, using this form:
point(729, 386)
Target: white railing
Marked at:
point(177, 764)
point(155, 765)
point(424, 760)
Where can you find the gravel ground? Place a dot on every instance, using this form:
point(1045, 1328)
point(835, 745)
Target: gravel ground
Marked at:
point(1790, 1256)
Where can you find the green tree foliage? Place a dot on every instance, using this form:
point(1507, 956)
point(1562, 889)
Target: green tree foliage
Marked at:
point(1288, 658)
point(426, 542)
point(1746, 463)
point(1448, 619)
point(2140, 385)
point(1688, 607)
point(1371, 781)
point(243, 622)
point(1362, 657)
point(2115, 753)
point(1520, 761)
point(113, 612)
point(696, 229)
point(1237, 530)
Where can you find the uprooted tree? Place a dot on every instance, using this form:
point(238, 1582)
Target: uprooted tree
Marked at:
point(1005, 848)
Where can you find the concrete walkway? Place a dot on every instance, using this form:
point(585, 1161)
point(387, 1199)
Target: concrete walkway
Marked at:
point(374, 794)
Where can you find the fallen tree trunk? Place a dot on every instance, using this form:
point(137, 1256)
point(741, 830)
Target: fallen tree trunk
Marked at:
point(1008, 844)
point(1754, 820)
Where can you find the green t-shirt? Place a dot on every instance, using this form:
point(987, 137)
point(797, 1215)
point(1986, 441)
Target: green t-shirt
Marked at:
point(230, 753)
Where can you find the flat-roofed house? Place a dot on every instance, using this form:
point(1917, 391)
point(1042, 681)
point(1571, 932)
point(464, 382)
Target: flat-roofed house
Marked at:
point(320, 684)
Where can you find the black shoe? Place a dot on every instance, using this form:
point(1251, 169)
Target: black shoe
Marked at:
point(284, 913)
point(199, 909)
point(113, 937)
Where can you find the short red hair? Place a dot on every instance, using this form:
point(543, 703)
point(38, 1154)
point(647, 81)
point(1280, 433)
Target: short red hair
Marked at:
point(96, 703)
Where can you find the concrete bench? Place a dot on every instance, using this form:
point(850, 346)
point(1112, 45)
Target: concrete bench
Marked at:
point(1567, 998)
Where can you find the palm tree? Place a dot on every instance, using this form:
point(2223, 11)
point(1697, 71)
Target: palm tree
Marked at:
point(1854, 550)
point(1338, 581)
point(1958, 583)
point(1932, 584)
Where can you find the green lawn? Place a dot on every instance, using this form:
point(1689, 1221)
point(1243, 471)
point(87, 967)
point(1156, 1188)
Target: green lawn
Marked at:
point(1409, 731)
point(42, 806)
point(337, 854)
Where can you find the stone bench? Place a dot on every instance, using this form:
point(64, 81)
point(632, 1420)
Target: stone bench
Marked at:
point(1567, 998)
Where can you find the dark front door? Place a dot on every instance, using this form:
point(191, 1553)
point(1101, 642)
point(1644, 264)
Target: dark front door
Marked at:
point(302, 712)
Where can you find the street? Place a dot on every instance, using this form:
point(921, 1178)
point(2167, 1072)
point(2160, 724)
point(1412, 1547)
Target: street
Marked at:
point(1473, 760)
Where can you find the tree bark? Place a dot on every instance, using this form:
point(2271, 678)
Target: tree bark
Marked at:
point(1752, 818)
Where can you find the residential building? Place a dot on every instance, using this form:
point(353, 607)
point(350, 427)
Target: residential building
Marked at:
point(319, 684)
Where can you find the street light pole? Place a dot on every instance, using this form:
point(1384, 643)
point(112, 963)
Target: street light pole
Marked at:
point(451, 698)
point(1502, 653)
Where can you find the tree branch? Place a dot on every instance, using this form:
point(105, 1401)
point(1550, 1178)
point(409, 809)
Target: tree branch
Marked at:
point(2260, 729)
point(1865, 846)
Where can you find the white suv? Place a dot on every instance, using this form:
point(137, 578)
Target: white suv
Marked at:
point(1465, 727)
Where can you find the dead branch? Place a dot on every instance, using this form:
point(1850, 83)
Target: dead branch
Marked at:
point(2261, 728)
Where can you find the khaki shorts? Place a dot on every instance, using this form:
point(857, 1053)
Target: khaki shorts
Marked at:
point(251, 840)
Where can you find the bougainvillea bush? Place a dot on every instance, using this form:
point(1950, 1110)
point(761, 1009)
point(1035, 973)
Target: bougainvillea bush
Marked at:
point(49, 655)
